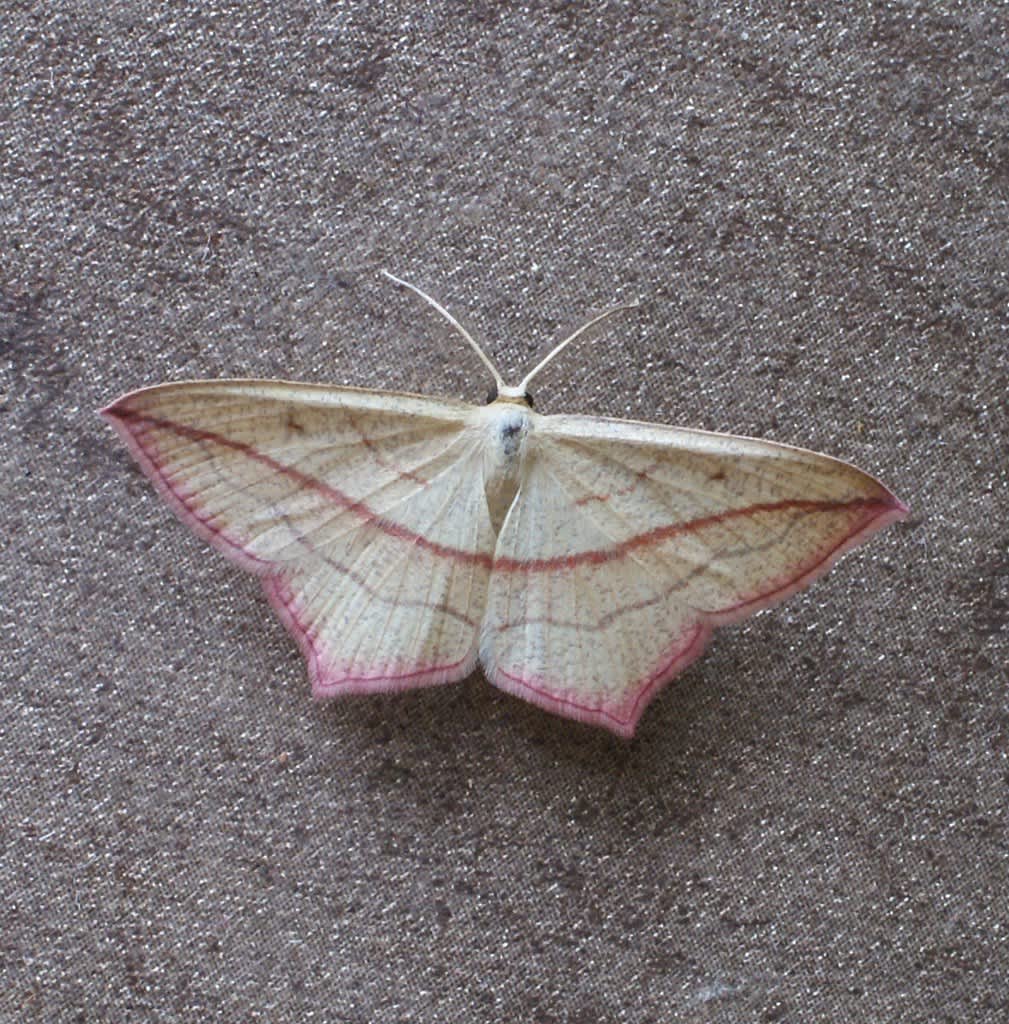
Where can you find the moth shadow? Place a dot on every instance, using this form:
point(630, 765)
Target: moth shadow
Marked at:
point(469, 747)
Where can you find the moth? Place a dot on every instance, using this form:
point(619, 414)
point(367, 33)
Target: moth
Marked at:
point(403, 540)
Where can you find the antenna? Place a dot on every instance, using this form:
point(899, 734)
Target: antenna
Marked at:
point(502, 388)
point(524, 386)
point(498, 380)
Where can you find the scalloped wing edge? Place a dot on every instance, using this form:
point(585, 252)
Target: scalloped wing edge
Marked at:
point(622, 718)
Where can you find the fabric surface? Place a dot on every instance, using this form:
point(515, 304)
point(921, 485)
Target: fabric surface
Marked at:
point(812, 203)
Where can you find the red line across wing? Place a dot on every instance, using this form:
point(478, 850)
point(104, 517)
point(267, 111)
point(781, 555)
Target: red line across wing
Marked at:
point(359, 508)
point(595, 556)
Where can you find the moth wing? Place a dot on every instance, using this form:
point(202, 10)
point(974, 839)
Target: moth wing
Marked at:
point(363, 513)
point(628, 542)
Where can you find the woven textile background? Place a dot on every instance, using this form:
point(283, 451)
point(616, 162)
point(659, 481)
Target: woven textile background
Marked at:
point(812, 203)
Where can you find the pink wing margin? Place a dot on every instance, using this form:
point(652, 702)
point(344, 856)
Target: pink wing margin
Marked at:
point(536, 636)
point(300, 591)
point(138, 427)
point(623, 718)
point(129, 426)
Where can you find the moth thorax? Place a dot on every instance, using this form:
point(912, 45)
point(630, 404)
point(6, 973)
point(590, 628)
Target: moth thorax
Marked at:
point(506, 426)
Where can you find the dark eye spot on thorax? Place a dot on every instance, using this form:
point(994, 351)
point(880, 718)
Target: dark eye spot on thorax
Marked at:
point(510, 433)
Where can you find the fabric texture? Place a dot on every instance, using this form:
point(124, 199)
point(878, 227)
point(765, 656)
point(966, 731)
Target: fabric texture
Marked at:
point(812, 204)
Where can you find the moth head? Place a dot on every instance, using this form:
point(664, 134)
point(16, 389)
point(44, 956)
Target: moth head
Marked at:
point(504, 393)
